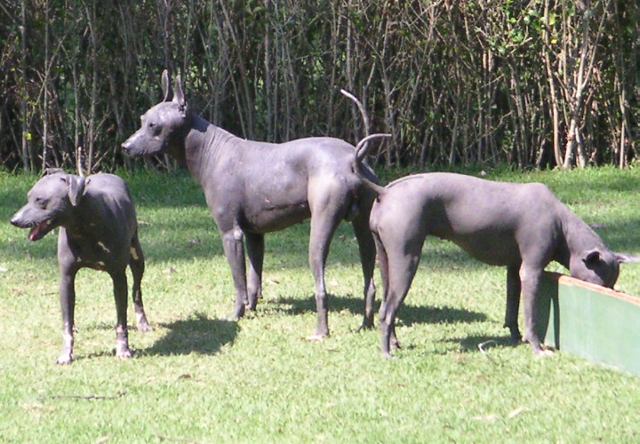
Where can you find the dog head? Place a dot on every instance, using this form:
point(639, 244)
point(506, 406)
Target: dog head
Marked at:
point(163, 125)
point(599, 266)
point(49, 204)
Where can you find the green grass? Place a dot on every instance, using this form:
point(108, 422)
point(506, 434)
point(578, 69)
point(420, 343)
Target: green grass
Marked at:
point(200, 378)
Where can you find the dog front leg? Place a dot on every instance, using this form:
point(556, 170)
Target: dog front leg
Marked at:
point(530, 279)
point(67, 305)
point(232, 242)
point(513, 303)
point(122, 333)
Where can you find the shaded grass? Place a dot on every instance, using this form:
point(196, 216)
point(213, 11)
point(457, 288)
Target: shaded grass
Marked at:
point(198, 377)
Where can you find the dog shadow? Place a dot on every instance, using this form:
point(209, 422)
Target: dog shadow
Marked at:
point(198, 334)
point(407, 314)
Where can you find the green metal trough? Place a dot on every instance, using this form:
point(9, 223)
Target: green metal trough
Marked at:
point(593, 322)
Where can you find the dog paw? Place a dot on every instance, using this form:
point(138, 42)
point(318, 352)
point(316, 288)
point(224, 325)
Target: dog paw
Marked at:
point(252, 303)
point(64, 359)
point(544, 353)
point(144, 327)
point(124, 353)
point(141, 321)
point(237, 314)
point(367, 324)
point(317, 337)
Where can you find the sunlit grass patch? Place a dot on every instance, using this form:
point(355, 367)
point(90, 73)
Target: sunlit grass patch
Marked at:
point(199, 377)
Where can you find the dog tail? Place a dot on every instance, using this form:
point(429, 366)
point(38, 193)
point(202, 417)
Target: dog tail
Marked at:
point(361, 152)
point(361, 147)
point(79, 161)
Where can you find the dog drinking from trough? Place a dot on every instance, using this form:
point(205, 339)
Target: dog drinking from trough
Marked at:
point(98, 230)
point(253, 188)
point(520, 226)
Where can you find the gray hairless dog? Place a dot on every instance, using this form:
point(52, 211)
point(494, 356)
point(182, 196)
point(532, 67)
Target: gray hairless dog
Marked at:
point(253, 188)
point(98, 230)
point(520, 226)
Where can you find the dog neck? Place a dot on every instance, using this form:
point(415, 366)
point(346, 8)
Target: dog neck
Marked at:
point(204, 143)
point(579, 236)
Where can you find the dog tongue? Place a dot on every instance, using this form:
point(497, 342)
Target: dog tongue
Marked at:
point(36, 232)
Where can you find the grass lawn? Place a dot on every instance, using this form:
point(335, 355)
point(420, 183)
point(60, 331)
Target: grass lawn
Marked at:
point(200, 378)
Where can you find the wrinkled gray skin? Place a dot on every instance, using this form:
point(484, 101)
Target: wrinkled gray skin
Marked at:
point(520, 226)
point(253, 188)
point(98, 230)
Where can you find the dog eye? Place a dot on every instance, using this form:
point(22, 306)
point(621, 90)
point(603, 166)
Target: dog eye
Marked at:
point(41, 203)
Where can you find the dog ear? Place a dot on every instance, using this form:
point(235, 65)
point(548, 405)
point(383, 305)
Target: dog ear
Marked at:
point(76, 189)
point(179, 94)
point(591, 257)
point(626, 258)
point(48, 171)
point(167, 92)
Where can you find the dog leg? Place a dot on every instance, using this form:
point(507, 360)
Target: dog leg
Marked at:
point(136, 262)
point(232, 241)
point(325, 218)
point(530, 279)
point(255, 251)
point(120, 294)
point(403, 262)
point(67, 304)
point(513, 303)
point(367, 249)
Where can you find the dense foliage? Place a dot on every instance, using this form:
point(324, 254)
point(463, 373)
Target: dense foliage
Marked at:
point(531, 83)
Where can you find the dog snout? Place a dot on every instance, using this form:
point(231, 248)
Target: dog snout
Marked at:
point(130, 145)
point(26, 217)
point(17, 220)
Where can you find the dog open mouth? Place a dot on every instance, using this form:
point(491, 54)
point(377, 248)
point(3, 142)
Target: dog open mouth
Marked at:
point(40, 230)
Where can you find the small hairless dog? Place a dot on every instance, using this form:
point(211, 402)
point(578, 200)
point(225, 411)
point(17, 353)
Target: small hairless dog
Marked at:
point(98, 229)
point(520, 226)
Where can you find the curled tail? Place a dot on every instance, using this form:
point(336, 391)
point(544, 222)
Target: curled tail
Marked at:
point(361, 152)
point(361, 147)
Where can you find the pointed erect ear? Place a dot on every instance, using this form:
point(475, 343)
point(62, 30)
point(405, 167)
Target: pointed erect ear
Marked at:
point(591, 257)
point(626, 258)
point(76, 189)
point(48, 171)
point(166, 86)
point(179, 94)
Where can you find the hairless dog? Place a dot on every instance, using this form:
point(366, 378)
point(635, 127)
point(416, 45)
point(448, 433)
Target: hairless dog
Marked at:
point(520, 226)
point(253, 188)
point(98, 229)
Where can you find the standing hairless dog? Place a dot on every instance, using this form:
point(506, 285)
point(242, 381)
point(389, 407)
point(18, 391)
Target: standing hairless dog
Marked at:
point(253, 188)
point(98, 229)
point(520, 226)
